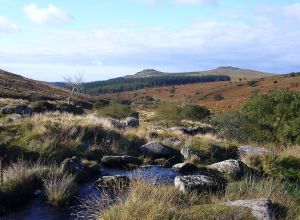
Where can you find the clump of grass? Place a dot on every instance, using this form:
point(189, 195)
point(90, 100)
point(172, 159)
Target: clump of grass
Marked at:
point(59, 188)
point(152, 201)
point(212, 150)
point(146, 200)
point(216, 211)
point(18, 181)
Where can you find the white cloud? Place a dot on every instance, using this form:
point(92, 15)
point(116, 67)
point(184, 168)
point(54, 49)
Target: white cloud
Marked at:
point(196, 2)
point(292, 11)
point(7, 26)
point(49, 15)
point(207, 43)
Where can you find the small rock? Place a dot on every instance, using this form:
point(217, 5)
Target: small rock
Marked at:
point(199, 183)
point(234, 168)
point(72, 165)
point(132, 122)
point(116, 182)
point(248, 149)
point(120, 161)
point(185, 168)
point(261, 209)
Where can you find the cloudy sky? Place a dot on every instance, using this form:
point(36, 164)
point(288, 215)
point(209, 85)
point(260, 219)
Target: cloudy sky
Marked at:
point(49, 39)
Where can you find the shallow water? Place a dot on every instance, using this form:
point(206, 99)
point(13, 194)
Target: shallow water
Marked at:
point(38, 209)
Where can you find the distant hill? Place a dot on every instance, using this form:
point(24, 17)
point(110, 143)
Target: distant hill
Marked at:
point(148, 73)
point(123, 84)
point(234, 72)
point(16, 86)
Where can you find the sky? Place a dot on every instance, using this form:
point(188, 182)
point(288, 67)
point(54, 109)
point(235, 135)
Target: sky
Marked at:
point(101, 39)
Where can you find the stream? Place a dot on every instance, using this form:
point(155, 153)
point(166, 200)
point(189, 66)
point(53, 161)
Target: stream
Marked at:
point(38, 209)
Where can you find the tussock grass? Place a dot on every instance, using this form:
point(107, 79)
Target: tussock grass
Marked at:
point(59, 188)
point(19, 180)
point(145, 200)
point(58, 136)
point(151, 201)
point(7, 101)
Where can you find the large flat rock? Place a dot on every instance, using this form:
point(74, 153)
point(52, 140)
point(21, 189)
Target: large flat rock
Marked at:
point(199, 183)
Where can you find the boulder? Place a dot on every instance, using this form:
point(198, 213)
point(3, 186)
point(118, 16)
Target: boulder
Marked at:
point(120, 161)
point(132, 122)
point(116, 182)
point(199, 183)
point(185, 168)
point(23, 110)
point(233, 168)
point(248, 149)
point(188, 153)
point(261, 209)
point(72, 165)
point(158, 150)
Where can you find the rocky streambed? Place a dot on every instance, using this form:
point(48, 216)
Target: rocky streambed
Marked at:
point(38, 209)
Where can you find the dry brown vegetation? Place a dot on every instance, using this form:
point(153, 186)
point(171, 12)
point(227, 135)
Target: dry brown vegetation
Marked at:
point(15, 86)
point(235, 92)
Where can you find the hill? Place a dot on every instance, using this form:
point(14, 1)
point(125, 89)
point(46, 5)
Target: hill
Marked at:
point(231, 94)
point(235, 73)
point(122, 84)
point(147, 73)
point(16, 86)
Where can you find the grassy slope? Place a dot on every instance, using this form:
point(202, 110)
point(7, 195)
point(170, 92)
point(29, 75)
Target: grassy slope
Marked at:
point(15, 86)
point(235, 93)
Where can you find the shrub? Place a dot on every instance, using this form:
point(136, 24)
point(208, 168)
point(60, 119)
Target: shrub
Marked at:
point(118, 111)
point(252, 83)
point(175, 113)
point(231, 125)
point(218, 97)
point(273, 117)
point(97, 105)
point(281, 167)
point(195, 112)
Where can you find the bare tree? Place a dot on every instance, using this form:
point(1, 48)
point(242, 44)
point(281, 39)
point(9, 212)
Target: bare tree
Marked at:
point(74, 84)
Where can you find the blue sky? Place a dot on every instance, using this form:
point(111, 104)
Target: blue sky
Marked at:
point(49, 39)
